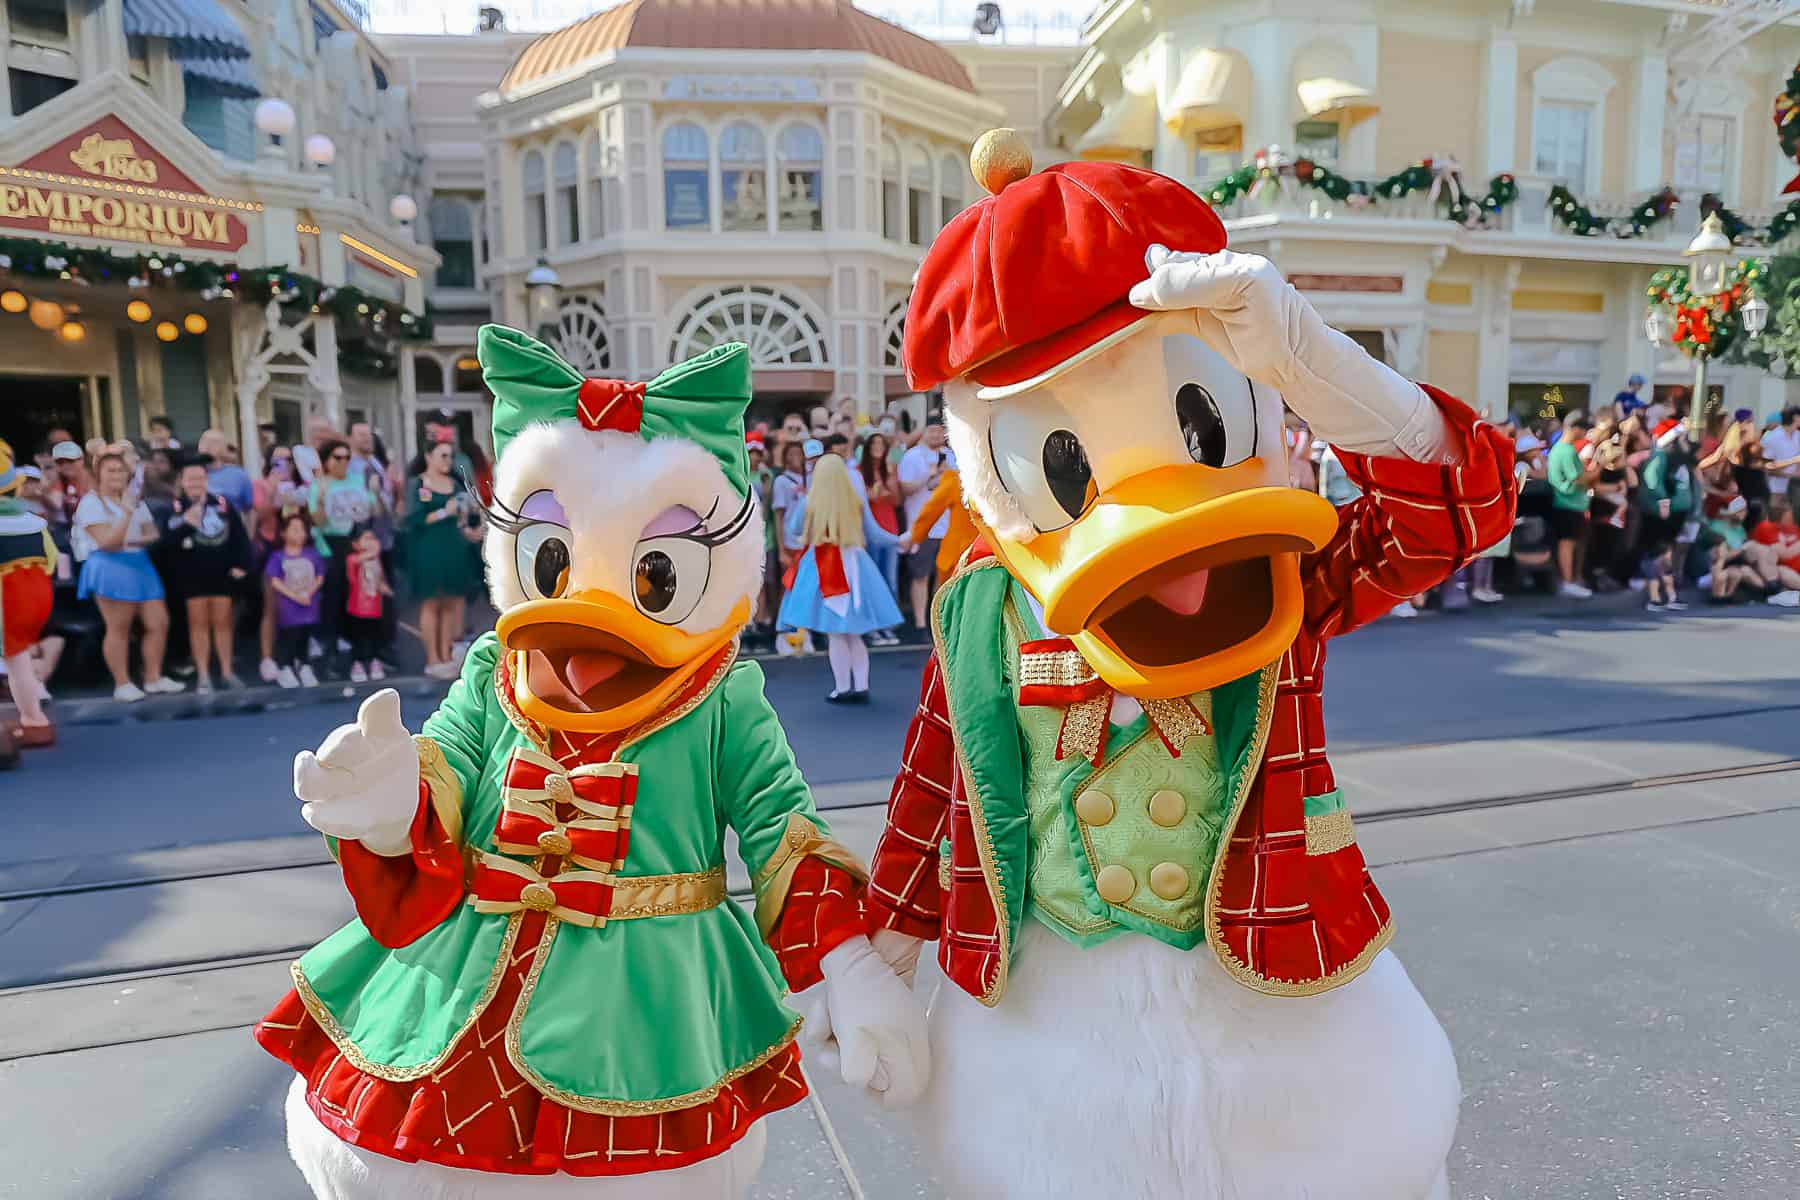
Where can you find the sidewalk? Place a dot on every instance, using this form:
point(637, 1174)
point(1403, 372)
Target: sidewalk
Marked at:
point(97, 707)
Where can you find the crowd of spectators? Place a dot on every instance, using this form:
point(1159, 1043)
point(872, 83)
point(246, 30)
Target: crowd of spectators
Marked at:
point(165, 546)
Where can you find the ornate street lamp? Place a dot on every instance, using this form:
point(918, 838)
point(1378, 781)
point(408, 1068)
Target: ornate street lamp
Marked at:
point(1656, 325)
point(543, 297)
point(1755, 315)
point(1709, 262)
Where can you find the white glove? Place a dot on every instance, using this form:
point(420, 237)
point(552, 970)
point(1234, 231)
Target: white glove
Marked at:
point(864, 1022)
point(1254, 318)
point(364, 782)
point(900, 951)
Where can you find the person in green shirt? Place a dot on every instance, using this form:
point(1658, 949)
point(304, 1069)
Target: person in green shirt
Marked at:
point(1571, 483)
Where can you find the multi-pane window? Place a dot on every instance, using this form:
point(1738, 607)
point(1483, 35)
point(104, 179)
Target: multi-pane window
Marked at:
point(919, 223)
point(43, 52)
point(568, 193)
point(1560, 138)
point(1317, 140)
point(800, 151)
point(951, 173)
point(537, 204)
point(893, 223)
point(743, 190)
point(1703, 153)
point(685, 194)
point(453, 237)
point(596, 169)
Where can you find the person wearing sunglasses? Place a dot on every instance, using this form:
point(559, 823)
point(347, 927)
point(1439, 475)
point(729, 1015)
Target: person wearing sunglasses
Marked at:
point(339, 500)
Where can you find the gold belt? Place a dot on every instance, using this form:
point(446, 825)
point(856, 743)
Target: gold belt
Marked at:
point(666, 895)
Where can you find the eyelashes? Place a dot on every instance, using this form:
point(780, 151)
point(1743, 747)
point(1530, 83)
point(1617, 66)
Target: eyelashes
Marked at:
point(504, 517)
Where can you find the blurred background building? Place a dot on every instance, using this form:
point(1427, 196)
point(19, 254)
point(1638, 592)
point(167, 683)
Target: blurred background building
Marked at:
point(1478, 190)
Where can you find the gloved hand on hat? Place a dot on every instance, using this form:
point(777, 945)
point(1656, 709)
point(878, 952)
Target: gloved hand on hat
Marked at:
point(1247, 312)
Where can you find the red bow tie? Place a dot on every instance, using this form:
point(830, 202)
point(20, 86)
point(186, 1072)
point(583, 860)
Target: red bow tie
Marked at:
point(1053, 674)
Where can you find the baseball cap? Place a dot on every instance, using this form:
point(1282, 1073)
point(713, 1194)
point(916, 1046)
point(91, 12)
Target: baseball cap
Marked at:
point(753, 440)
point(1528, 442)
point(813, 448)
point(1636, 380)
point(66, 452)
point(30, 473)
point(1742, 414)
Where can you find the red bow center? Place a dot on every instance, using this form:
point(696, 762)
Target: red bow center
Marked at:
point(611, 404)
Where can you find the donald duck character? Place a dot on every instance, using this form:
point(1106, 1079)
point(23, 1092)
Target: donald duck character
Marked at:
point(1166, 966)
point(547, 991)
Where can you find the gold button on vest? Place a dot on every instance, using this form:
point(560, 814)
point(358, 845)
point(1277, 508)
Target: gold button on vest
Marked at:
point(1167, 808)
point(1115, 884)
point(538, 897)
point(1095, 807)
point(1169, 880)
point(552, 842)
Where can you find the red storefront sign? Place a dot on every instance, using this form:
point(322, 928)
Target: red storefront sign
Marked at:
point(107, 182)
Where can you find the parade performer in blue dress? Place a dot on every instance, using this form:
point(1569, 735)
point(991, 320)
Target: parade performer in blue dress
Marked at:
point(836, 587)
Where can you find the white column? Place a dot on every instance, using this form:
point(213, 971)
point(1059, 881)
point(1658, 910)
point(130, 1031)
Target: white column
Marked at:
point(1500, 107)
point(323, 376)
point(1494, 374)
point(1650, 105)
point(409, 401)
point(1271, 101)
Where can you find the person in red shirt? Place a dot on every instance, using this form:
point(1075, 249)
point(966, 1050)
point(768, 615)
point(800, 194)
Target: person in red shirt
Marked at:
point(1779, 532)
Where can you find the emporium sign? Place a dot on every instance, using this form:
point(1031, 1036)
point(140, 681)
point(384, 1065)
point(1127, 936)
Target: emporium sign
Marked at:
point(107, 182)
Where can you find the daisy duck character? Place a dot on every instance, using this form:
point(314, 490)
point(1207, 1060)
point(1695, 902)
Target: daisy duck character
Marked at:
point(1165, 963)
point(547, 991)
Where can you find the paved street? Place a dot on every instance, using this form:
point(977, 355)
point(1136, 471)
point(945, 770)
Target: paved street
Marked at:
point(1586, 825)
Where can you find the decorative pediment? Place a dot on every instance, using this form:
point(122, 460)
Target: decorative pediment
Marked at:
point(78, 169)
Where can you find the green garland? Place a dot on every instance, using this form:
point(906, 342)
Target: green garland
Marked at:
point(1580, 220)
point(154, 270)
point(1708, 325)
point(1503, 189)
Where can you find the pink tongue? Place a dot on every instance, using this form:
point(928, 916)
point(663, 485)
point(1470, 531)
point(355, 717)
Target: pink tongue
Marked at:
point(1184, 595)
point(589, 669)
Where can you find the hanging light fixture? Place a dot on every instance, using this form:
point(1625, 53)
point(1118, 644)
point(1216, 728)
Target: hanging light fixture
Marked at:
point(166, 331)
point(1755, 314)
point(13, 302)
point(47, 315)
point(1656, 325)
point(1709, 258)
point(194, 323)
point(138, 310)
point(73, 331)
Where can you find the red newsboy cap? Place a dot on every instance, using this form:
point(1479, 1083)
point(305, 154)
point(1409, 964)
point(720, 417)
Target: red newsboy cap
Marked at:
point(1032, 275)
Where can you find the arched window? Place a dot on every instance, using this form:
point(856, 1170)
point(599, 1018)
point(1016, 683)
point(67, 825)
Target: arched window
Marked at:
point(568, 196)
point(428, 376)
point(951, 173)
point(893, 212)
point(743, 183)
point(452, 222)
point(685, 199)
point(778, 328)
point(537, 210)
point(581, 335)
point(893, 337)
point(801, 152)
point(919, 225)
point(468, 380)
point(596, 171)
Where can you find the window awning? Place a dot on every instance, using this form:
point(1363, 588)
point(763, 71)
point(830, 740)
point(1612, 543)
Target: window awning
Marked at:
point(1331, 87)
point(1211, 101)
point(227, 77)
point(193, 28)
point(1126, 128)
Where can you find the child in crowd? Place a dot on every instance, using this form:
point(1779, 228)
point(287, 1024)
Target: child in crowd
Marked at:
point(296, 573)
point(836, 587)
point(1658, 573)
point(368, 584)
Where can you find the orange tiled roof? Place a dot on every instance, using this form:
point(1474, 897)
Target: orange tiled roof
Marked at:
point(734, 25)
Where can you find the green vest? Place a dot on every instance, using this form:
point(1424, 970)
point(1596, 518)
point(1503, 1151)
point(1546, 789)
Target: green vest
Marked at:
point(637, 1015)
point(1056, 834)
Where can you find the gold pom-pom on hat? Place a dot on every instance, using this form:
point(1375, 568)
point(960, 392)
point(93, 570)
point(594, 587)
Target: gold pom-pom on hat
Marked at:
point(1000, 157)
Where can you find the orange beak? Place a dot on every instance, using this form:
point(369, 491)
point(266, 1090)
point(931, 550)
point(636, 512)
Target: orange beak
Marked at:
point(591, 663)
point(1178, 579)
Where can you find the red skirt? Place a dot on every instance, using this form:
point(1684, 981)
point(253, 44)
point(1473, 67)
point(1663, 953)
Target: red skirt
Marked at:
point(479, 1113)
point(25, 598)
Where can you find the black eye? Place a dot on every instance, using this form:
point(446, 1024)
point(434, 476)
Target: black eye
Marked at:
point(655, 581)
point(1201, 426)
point(550, 567)
point(1067, 472)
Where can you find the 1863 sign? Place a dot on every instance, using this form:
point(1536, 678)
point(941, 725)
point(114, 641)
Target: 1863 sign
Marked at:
point(106, 182)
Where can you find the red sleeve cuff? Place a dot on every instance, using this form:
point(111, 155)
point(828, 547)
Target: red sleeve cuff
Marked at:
point(400, 899)
point(882, 917)
point(824, 909)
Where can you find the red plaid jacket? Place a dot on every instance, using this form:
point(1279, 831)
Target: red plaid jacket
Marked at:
point(1286, 922)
